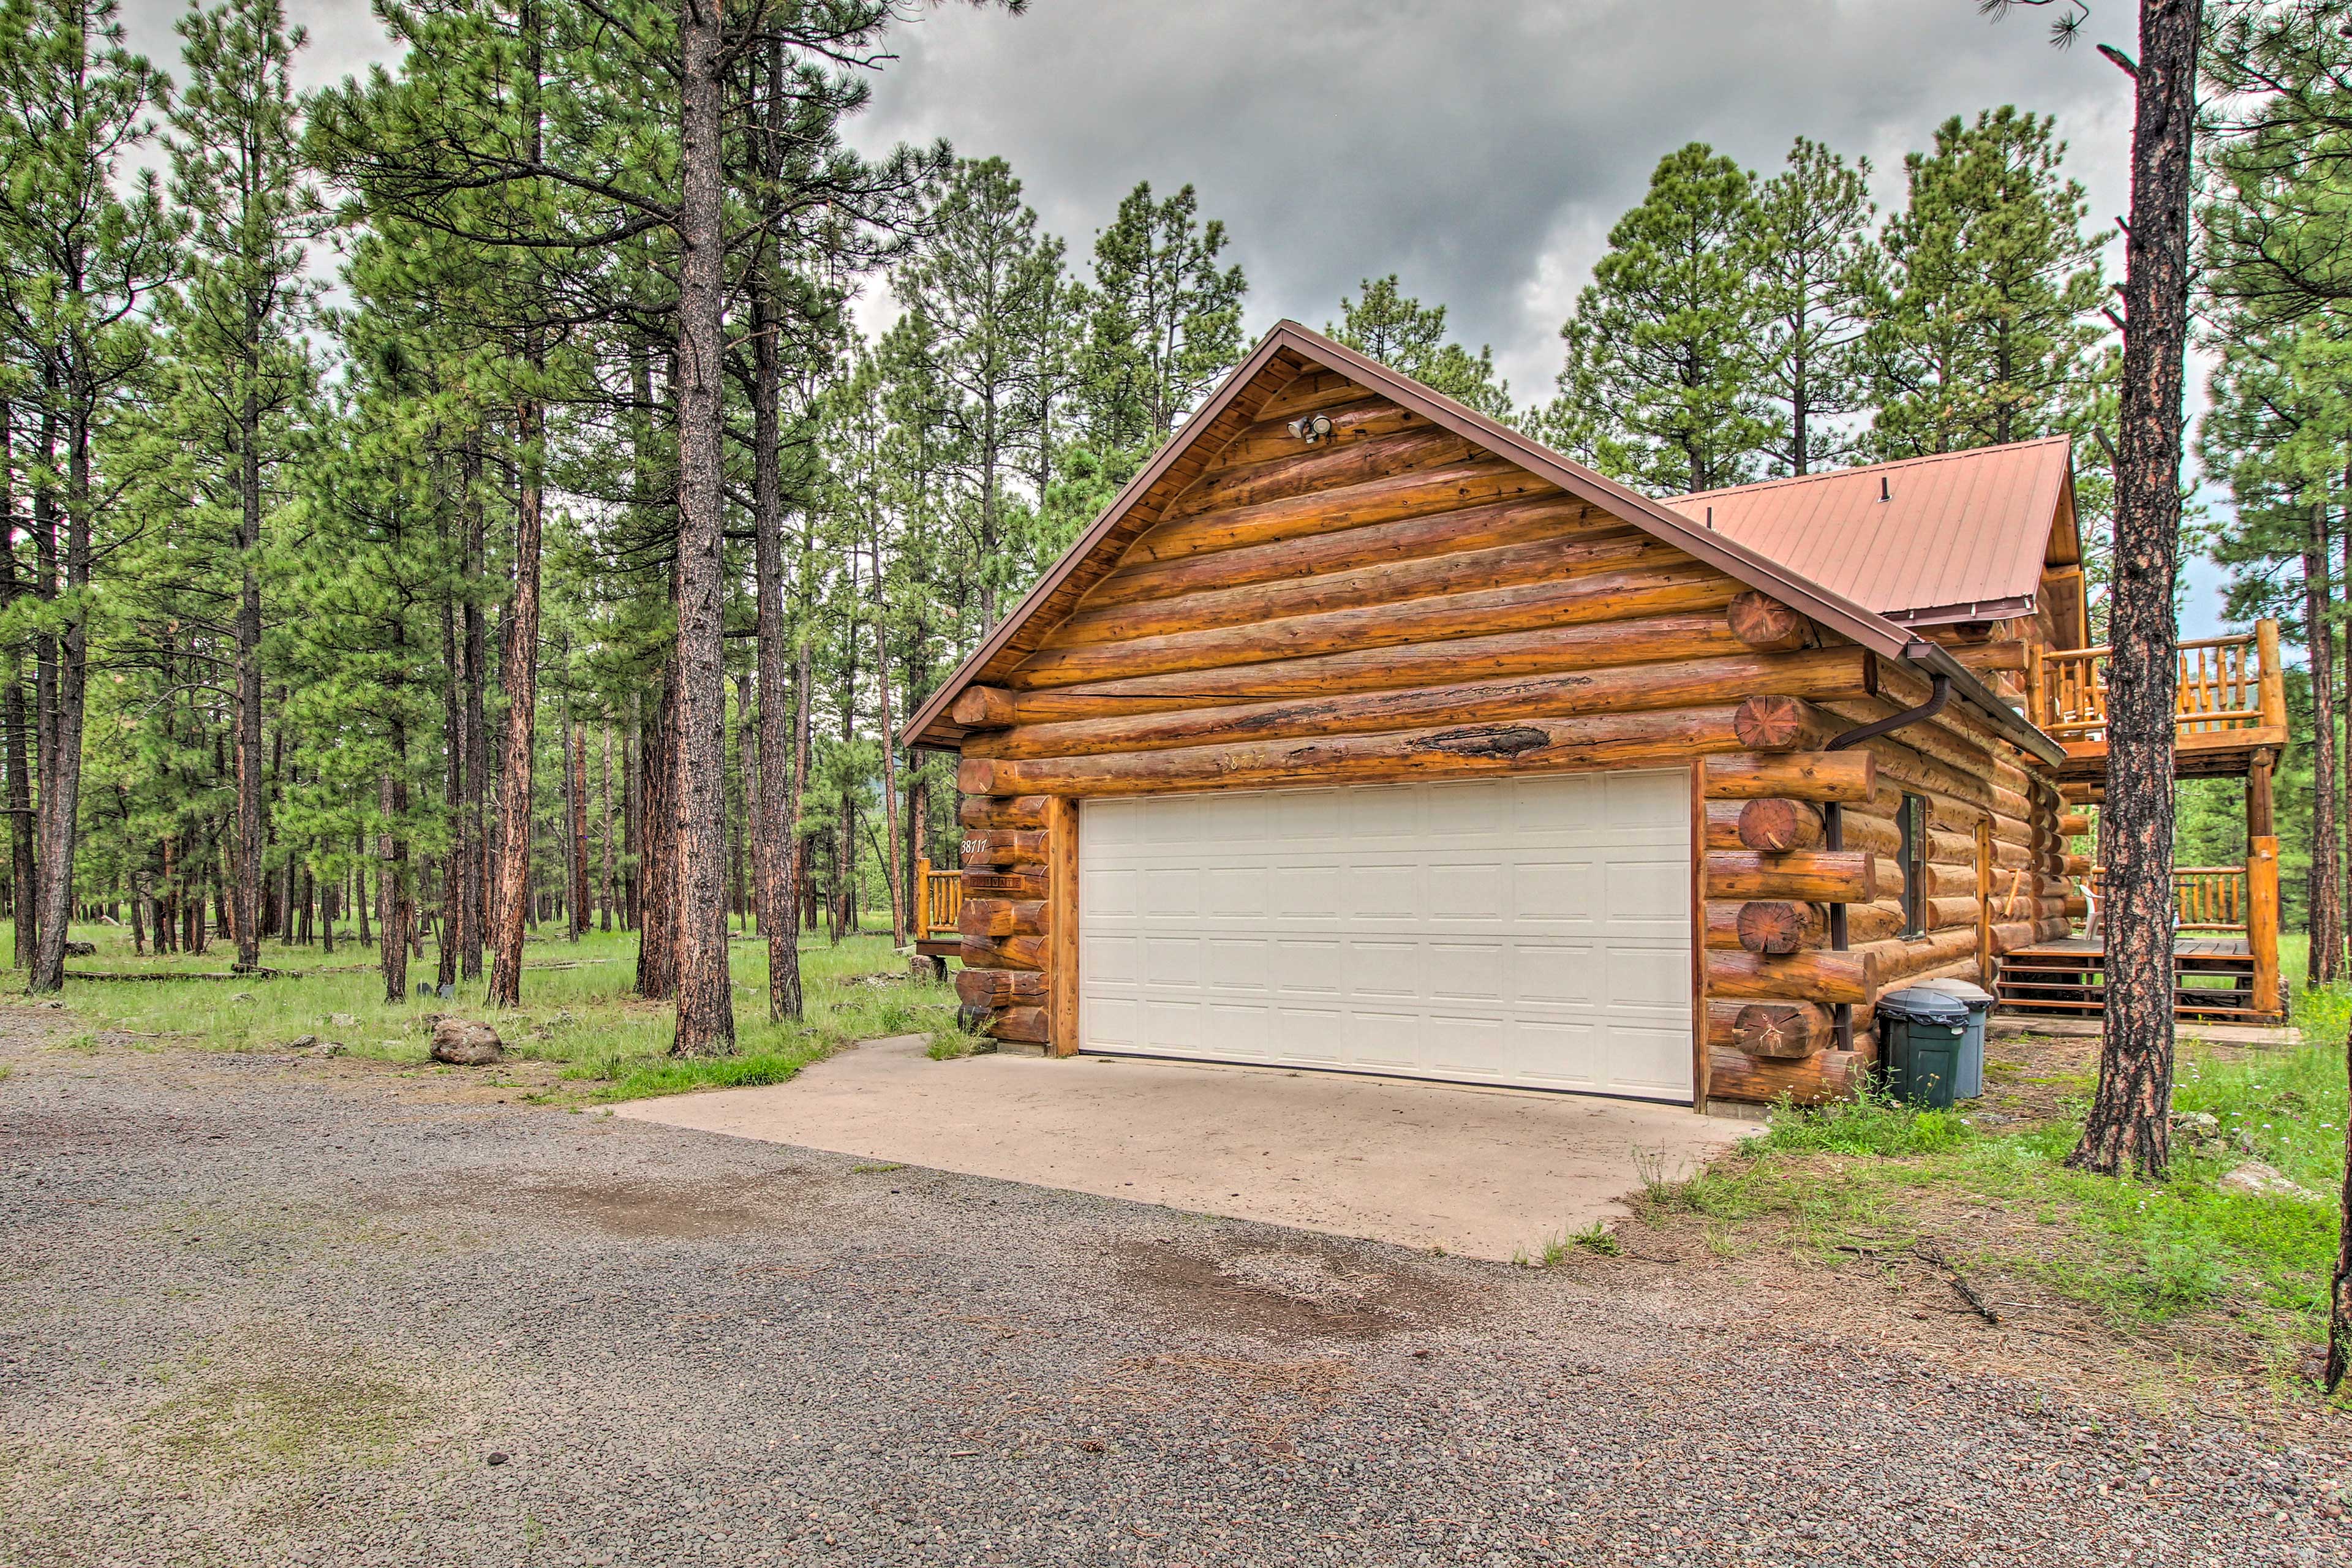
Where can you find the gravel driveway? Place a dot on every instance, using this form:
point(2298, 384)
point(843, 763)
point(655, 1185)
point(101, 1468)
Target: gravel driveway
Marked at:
point(255, 1309)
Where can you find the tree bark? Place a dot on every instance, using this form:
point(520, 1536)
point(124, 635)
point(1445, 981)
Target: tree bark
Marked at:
point(248, 671)
point(2326, 879)
point(519, 657)
point(392, 884)
point(706, 1015)
point(2128, 1124)
point(656, 839)
point(60, 801)
point(776, 806)
point(604, 834)
point(23, 897)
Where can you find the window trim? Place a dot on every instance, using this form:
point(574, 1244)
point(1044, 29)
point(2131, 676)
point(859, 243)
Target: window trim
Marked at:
point(1912, 821)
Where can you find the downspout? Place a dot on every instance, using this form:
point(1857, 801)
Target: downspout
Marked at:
point(1834, 815)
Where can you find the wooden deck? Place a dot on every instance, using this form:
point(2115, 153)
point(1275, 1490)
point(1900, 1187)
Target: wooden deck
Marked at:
point(2215, 978)
point(2231, 706)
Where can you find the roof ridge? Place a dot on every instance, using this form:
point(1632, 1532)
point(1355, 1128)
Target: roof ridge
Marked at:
point(1923, 458)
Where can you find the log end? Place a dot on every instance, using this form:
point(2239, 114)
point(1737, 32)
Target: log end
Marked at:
point(1772, 725)
point(1768, 625)
point(1777, 926)
point(1777, 826)
point(982, 707)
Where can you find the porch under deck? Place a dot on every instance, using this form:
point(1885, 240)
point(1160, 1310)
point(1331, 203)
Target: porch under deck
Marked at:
point(2217, 978)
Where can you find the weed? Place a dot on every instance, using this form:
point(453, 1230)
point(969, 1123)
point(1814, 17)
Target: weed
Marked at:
point(1597, 1237)
point(875, 1168)
point(952, 1041)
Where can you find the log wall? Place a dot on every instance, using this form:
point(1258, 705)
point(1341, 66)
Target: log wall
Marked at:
point(1391, 605)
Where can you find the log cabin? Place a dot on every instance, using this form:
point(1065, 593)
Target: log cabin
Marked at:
point(1362, 732)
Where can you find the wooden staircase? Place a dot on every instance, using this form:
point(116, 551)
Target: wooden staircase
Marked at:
point(2211, 982)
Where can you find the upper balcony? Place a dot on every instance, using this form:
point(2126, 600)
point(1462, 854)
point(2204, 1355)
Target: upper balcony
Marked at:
point(2231, 705)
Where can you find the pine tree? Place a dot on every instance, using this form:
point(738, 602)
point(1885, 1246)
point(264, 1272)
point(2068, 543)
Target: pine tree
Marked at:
point(1385, 323)
point(1163, 325)
point(1662, 375)
point(1991, 326)
point(239, 361)
point(1810, 249)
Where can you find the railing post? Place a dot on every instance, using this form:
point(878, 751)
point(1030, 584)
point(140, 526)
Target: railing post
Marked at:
point(923, 899)
point(2263, 921)
point(2035, 696)
point(2273, 677)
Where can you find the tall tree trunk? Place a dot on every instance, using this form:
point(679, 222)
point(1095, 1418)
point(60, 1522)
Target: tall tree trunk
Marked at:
point(632, 816)
point(392, 882)
point(473, 901)
point(519, 658)
point(24, 897)
point(777, 806)
point(60, 803)
point(706, 1013)
point(577, 782)
point(2327, 880)
point(453, 795)
point(657, 843)
point(249, 780)
point(2129, 1116)
point(604, 836)
point(889, 768)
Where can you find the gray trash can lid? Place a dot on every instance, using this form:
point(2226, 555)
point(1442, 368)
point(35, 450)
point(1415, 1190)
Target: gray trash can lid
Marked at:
point(1973, 994)
point(1919, 1005)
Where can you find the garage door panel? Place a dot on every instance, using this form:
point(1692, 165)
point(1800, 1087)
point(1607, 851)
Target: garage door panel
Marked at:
point(1571, 804)
point(1237, 963)
point(1548, 975)
point(1385, 970)
point(1559, 890)
point(1530, 931)
point(1654, 889)
point(1383, 892)
point(1469, 891)
point(1109, 893)
point(1467, 971)
point(1304, 967)
point(1235, 892)
point(1306, 892)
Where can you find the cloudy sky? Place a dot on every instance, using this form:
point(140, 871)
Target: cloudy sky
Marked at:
point(1481, 149)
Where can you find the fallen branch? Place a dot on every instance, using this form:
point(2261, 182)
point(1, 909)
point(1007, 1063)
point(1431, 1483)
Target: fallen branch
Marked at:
point(1959, 1283)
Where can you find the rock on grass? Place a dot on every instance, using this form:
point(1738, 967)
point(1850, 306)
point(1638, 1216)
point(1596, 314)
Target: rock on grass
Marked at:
point(466, 1043)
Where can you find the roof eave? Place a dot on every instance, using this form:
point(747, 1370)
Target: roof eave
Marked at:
point(1971, 689)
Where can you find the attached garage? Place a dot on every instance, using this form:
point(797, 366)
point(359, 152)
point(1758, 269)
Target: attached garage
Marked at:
point(1531, 931)
point(1361, 732)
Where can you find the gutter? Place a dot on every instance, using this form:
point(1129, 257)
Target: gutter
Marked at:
point(1936, 661)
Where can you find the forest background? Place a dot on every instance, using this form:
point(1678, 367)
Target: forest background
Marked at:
point(424, 493)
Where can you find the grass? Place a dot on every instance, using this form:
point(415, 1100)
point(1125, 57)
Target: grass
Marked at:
point(1869, 1175)
point(578, 1013)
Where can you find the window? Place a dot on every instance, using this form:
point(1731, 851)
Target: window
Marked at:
point(1914, 824)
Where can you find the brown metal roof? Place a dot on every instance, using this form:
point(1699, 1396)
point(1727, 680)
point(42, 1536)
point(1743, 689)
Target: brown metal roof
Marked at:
point(1291, 344)
point(1959, 536)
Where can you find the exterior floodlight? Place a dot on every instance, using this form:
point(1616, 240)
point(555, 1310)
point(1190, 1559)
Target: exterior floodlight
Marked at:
point(1312, 428)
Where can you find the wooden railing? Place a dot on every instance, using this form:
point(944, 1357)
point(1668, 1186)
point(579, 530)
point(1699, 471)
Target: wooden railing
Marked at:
point(939, 900)
point(2227, 684)
point(2204, 898)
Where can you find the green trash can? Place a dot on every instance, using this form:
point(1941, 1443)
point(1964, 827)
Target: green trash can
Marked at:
point(1922, 1040)
point(1979, 1002)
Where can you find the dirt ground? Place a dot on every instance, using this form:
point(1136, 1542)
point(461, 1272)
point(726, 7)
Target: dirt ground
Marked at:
point(262, 1309)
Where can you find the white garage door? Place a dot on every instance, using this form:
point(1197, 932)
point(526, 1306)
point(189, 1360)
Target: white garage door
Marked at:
point(1532, 931)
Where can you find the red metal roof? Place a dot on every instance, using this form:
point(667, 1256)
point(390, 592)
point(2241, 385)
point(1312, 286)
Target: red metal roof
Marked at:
point(1924, 540)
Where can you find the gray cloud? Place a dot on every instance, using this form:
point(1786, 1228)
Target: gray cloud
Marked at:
point(1481, 150)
